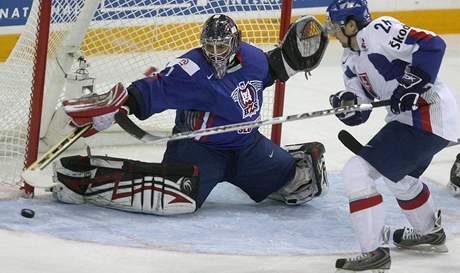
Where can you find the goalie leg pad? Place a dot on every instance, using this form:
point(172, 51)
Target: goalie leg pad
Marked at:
point(310, 178)
point(152, 188)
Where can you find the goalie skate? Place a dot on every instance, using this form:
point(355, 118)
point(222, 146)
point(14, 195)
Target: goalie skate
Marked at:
point(454, 183)
point(432, 242)
point(377, 261)
point(455, 189)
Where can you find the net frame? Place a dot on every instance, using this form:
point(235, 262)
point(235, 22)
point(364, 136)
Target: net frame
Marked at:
point(40, 72)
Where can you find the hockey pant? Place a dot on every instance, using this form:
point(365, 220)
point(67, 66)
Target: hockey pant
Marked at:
point(128, 185)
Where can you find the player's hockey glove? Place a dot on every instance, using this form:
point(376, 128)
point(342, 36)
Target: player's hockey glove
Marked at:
point(97, 110)
point(412, 84)
point(346, 98)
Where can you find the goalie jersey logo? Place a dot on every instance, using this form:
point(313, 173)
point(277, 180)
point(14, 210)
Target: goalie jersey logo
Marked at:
point(246, 95)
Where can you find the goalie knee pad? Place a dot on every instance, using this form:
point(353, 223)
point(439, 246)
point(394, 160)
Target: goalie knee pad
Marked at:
point(127, 184)
point(310, 178)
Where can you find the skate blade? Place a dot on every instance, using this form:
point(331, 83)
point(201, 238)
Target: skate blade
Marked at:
point(428, 248)
point(365, 271)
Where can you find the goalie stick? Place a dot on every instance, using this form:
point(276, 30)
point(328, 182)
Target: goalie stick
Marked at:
point(352, 144)
point(33, 176)
point(129, 126)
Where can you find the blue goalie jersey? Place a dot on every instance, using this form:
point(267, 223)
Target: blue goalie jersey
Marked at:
point(202, 101)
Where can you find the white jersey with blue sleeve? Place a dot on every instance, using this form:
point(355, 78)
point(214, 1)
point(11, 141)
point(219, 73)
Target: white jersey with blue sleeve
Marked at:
point(387, 47)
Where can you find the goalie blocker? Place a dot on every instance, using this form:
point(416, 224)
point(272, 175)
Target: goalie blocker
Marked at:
point(152, 188)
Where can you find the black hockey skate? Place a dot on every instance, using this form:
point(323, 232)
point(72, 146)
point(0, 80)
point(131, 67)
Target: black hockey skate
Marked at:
point(377, 261)
point(454, 183)
point(432, 242)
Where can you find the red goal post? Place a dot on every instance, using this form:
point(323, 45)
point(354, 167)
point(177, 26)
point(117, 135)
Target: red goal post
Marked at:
point(120, 39)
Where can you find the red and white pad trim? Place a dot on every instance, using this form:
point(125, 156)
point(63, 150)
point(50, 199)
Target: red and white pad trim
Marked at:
point(96, 105)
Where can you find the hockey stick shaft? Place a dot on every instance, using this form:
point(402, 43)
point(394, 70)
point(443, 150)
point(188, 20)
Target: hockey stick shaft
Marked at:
point(130, 127)
point(352, 144)
point(58, 149)
point(32, 175)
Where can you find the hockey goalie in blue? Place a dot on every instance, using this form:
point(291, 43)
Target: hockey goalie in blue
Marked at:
point(219, 83)
point(190, 83)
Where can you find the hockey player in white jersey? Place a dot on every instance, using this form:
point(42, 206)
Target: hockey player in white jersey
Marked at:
point(386, 59)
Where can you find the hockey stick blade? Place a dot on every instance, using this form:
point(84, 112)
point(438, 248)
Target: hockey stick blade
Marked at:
point(349, 141)
point(352, 144)
point(37, 179)
point(126, 124)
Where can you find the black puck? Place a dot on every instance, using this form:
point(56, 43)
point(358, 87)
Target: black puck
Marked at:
point(28, 213)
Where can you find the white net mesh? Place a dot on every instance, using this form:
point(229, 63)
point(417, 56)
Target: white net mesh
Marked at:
point(120, 40)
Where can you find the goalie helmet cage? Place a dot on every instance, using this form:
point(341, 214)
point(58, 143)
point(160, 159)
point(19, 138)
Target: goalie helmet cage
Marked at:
point(120, 39)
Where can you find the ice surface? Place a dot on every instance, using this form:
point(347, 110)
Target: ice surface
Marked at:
point(228, 223)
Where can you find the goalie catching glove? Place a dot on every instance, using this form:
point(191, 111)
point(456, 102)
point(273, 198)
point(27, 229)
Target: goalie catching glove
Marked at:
point(97, 110)
point(302, 48)
point(127, 185)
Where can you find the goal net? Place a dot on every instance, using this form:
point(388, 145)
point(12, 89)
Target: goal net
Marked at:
point(119, 40)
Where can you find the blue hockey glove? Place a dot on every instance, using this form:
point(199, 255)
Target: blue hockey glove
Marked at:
point(412, 84)
point(346, 98)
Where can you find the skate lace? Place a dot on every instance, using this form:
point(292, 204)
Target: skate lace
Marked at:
point(358, 258)
point(410, 234)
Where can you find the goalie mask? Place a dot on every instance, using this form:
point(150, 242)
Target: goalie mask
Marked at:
point(220, 41)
